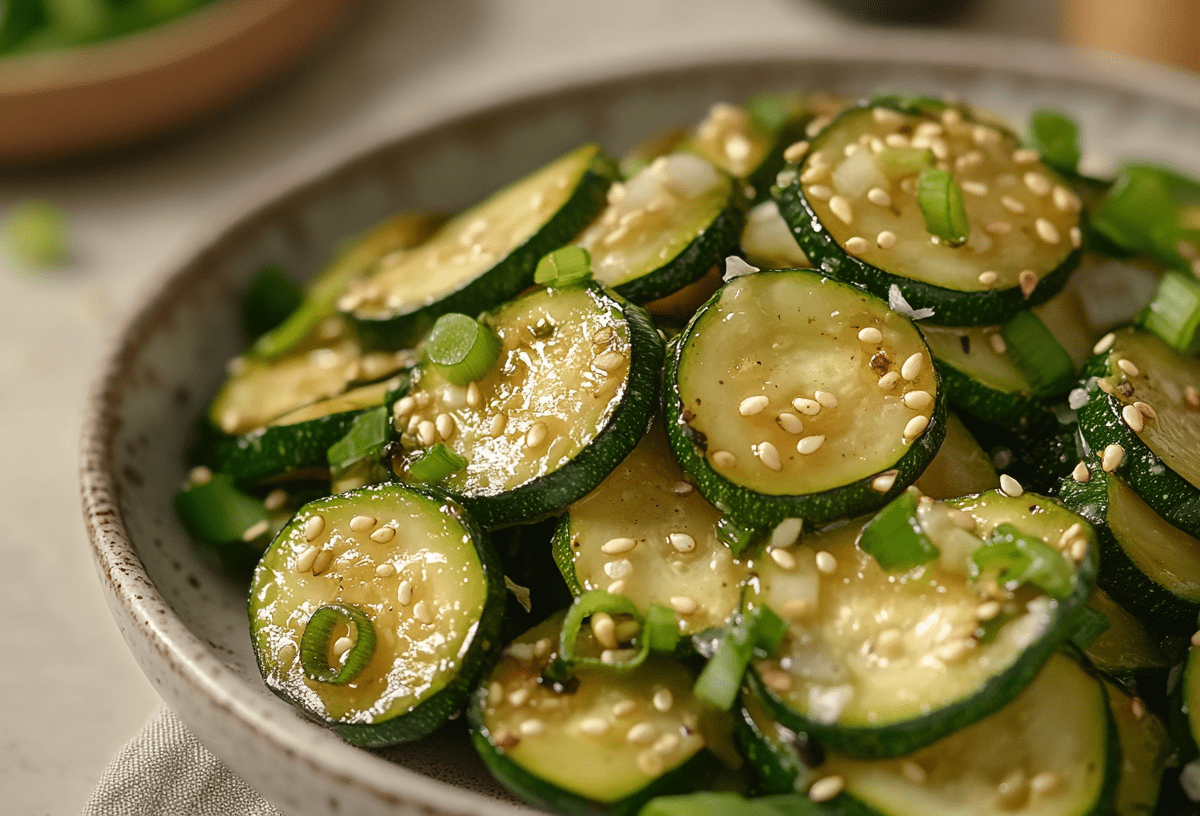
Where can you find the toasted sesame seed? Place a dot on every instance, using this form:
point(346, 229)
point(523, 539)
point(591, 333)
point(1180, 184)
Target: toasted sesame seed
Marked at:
point(913, 772)
point(918, 399)
point(1192, 396)
point(427, 431)
point(305, 562)
point(608, 360)
point(777, 680)
point(616, 587)
point(1012, 205)
point(724, 459)
point(518, 697)
point(663, 700)
point(912, 366)
point(795, 151)
point(870, 335)
point(786, 532)
point(987, 278)
point(404, 593)
point(857, 245)
point(360, 524)
point(783, 559)
point(423, 613)
point(1081, 473)
point(536, 435)
point(879, 197)
point(1133, 418)
point(888, 381)
point(641, 733)
point(826, 788)
point(684, 604)
point(1010, 486)
point(827, 399)
point(616, 546)
point(1104, 344)
point(987, 610)
point(999, 228)
point(1079, 549)
point(810, 444)
point(1047, 231)
point(806, 406)
point(532, 727)
point(1037, 183)
point(682, 489)
point(1028, 281)
point(624, 708)
point(790, 422)
point(314, 527)
point(975, 188)
point(753, 405)
point(446, 425)
point(820, 192)
point(1112, 457)
point(915, 427)
point(1128, 367)
point(996, 341)
point(884, 481)
point(841, 207)
point(385, 570)
point(826, 562)
point(324, 559)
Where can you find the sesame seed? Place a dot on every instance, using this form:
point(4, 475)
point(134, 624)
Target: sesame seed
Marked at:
point(850, 149)
point(642, 733)
point(1128, 367)
point(684, 604)
point(1137, 708)
point(624, 708)
point(1037, 183)
point(954, 651)
point(199, 475)
point(275, 499)
point(383, 535)
point(964, 521)
point(918, 399)
point(724, 459)
point(1104, 344)
point(423, 613)
point(753, 405)
point(616, 587)
point(796, 608)
point(1025, 155)
point(768, 454)
point(663, 700)
point(1196, 638)
point(783, 559)
point(1192, 396)
point(1065, 200)
point(857, 245)
point(841, 207)
point(385, 570)
point(810, 444)
point(826, 788)
point(427, 432)
point(445, 426)
point(915, 427)
point(888, 381)
point(886, 239)
point(536, 435)
point(806, 406)
point(1112, 457)
point(1045, 782)
point(322, 562)
point(518, 697)
point(786, 532)
point(999, 228)
point(616, 546)
point(988, 610)
point(887, 117)
point(975, 188)
point(1079, 549)
point(473, 398)
point(826, 562)
point(255, 530)
point(305, 562)
point(777, 680)
point(360, 524)
point(814, 172)
point(889, 643)
point(682, 489)
point(1047, 231)
point(870, 335)
point(314, 527)
point(618, 568)
point(996, 341)
point(820, 192)
point(1081, 473)
point(499, 422)
point(1028, 281)
point(987, 278)
point(984, 135)
point(968, 160)
point(1133, 418)
point(605, 630)
point(884, 481)
point(651, 763)
point(1068, 534)
point(532, 727)
point(341, 646)
point(913, 772)
point(896, 140)
point(879, 197)
point(1010, 486)
point(912, 366)
point(609, 360)
point(1012, 205)
point(790, 422)
point(827, 399)
point(795, 151)
point(681, 542)
point(404, 593)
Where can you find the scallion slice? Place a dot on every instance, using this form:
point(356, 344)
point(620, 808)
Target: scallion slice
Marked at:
point(1174, 314)
point(758, 631)
point(368, 436)
point(658, 630)
point(661, 629)
point(435, 464)
point(564, 266)
point(941, 202)
point(317, 640)
point(1013, 560)
point(1144, 211)
point(216, 512)
point(268, 301)
point(898, 162)
point(1056, 136)
point(769, 112)
point(1038, 354)
point(462, 349)
point(734, 536)
point(895, 537)
point(706, 803)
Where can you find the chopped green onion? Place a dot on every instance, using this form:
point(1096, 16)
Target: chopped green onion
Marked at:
point(1174, 314)
point(1038, 354)
point(914, 104)
point(36, 235)
point(592, 603)
point(770, 112)
point(895, 537)
point(368, 436)
point(898, 162)
point(1147, 211)
point(734, 536)
point(462, 349)
point(1014, 560)
point(661, 629)
point(761, 631)
point(1056, 136)
point(216, 512)
point(941, 202)
point(317, 639)
point(1092, 624)
point(435, 464)
point(269, 299)
point(563, 267)
point(709, 803)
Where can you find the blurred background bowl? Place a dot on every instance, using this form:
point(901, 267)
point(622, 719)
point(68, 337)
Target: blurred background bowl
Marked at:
point(111, 93)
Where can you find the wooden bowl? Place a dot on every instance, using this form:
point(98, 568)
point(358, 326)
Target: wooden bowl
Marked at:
point(118, 91)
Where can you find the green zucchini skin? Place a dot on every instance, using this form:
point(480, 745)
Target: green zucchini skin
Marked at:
point(775, 769)
point(564, 556)
point(1038, 456)
point(508, 277)
point(755, 510)
point(1014, 410)
point(278, 452)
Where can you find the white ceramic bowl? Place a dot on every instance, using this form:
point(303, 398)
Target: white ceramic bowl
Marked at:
point(186, 625)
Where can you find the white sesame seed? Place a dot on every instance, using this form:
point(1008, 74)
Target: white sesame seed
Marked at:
point(888, 381)
point(341, 646)
point(684, 604)
point(812, 173)
point(499, 422)
point(968, 160)
point(850, 149)
point(912, 366)
point(423, 613)
point(532, 727)
point(663, 700)
point(536, 435)
point(385, 570)
point(427, 432)
point(820, 192)
point(1192, 396)
point(474, 400)
point(324, 559)
point(777, 680)
point(984, 135)
point(276, 499)
point(618, 568)
point(423, 399)
point(594, 726)
point(915, 427)
point(841, 207)
point(1081, 473)
point(255, 530)
point(879, 197)
point(1128, 367)
point(681, 542)
point(753, 405)
point(826, 562)
point(682, 489)
point(1028, 281)
point(886, 239)
point(964, 521)
point(918, 399)
point(668, 743)
point(1010, 486)
point(624, 708)
point(996, 341)
point(1044, 783)
point(1077, 238)
point(1025, 155)
point(898, 140)
point(827, 399)
point(724, 459)
point(795, 151)
point(651, 763)
point(404, 593)
point(1104, 344)
point(1133, 418)
point(1047, 231)
point(518, 697)
point(616, 546)
point(870, 335)
point(913, 772)
point(887, 117)
point(1037, 183)
point(1079, 549)
point(1112, 457)
point(999, 228)
point(1069, 533)
point(1065, 200)
point(383, 535)
point(808, 407)
point(360, 524)
point(783, 559)
point(1012, 205)
point(786, 532)
point(616, 587)
point(314, 527)
point(857, 245)
point(988, 610)
point(642, 733)
point(200, 475)
point(810, 444)
point(826, 788)
point(884, 481)
point(975, 188)
point(305, 562)
point(768, 454)
point(954, 651)
point(609, 360)
point(445, 425)
point(790, 422)
point(605, 630)
point(988, 278)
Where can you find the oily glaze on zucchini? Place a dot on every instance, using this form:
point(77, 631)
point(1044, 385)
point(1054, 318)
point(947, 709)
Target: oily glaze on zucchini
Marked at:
point(960, 468)
point(601, 741)
point(482, 256)
point(852, 201)
point(1146, 750)
point(768, 242)
point(878, 663)
point(1125, 650)
point(424, 577)
point(791, 395)
point(574, 389)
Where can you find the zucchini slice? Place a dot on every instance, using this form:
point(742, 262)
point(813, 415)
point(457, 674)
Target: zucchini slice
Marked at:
point(960, 467)
point(482, 256)
point(574, 389)
point(647, 534)
point(664, 228)
point(768, 242)
point(1146, 749)
point(785, 397)
point(852, 202)
point(1125, 650)
point(877, 664)
point(1191, 693)
point(1144, 414)
point(427, 580)
point(748, 142)
point(1150, 567)
point(602, 741)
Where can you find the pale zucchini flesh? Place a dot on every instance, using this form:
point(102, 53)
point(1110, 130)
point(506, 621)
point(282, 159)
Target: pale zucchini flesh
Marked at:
point(1168, 555)
point(961, 466)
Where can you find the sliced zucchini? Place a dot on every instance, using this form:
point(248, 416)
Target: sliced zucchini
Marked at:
point(877, 664)
point(422, 576)
point(785, 397)
point(960, 468)
point(664, 228)
point(748, 142)
point(779, 759)
point(1145, 751)
point(1150, 567)
point(1125, 650)
point(1190, 691)
point(574, 389)
point(1143, 415)
point(602, 741)
point(647, 534)
point(1113, 291)
point(768, 242)
point(854, 206)
point(482, 256)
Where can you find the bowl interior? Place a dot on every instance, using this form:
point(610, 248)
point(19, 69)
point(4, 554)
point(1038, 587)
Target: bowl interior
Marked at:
point(187, 623)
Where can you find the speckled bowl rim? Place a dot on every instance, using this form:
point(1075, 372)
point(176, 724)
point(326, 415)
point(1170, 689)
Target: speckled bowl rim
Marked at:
point(131, 591)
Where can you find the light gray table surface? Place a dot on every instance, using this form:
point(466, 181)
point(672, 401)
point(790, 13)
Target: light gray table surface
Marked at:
point(72, 695)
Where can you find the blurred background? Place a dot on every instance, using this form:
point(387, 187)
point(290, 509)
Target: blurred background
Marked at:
point(130, 127)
